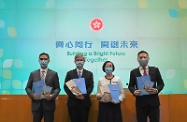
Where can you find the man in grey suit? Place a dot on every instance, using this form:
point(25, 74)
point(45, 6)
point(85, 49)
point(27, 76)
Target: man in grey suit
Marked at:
point(43, 106)
point(79, 105)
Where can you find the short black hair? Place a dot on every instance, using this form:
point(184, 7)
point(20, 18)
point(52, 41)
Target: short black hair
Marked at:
point(113, 67)
point(44, 54)
point(142, 51)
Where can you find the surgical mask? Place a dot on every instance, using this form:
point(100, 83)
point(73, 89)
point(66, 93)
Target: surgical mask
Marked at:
point(108, 70)
point(43, 63)
point(143, 62)
point(79, 63)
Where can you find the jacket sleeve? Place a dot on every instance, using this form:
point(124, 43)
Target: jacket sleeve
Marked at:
point(159, 80)
point(28, 87)
point(66, 89)
point(132, 82)
point(56, 86)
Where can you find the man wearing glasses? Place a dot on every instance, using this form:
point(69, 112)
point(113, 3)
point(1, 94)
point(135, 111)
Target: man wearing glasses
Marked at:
point(43, 105)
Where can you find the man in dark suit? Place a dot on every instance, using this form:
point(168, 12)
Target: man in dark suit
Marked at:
point(45, 106)
point(79, 105)
point(147, 105)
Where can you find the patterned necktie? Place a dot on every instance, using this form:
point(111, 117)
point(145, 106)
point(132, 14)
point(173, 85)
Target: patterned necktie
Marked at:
point(144, 73)
point(42, 75)
point(79, 74)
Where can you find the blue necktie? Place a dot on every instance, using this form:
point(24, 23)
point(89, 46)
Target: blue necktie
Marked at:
point(79, 74)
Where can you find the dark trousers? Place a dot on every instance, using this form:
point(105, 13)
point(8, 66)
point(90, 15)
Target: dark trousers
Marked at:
point(79, 113)
point(153, 112)
point(39, 114)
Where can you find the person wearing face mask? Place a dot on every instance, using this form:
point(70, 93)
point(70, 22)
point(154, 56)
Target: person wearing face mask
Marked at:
point(43, 106)
point(79, 105)
point(109, 110)
point(147, 106)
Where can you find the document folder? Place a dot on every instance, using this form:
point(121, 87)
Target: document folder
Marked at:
point(80, 82)
point(144, 83)
point(38, 86)
point(114, 91)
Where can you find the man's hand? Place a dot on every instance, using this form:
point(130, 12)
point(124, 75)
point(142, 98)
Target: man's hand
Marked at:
point(137, 92)
point(48, 96)
point(36, 96)
point(152, 91)
point(80, 96)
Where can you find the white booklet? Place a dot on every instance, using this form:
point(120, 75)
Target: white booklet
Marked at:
point(106, 97)
point(73, 87)
point(104, 89)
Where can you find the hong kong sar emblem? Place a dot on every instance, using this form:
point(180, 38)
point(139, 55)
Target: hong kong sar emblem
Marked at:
point(96, 24)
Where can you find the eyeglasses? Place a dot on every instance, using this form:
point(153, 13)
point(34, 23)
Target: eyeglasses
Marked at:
point(43, 58)
point(79, 60)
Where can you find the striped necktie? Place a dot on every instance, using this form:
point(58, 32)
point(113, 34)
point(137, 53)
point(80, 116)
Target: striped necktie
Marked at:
point(42, 75)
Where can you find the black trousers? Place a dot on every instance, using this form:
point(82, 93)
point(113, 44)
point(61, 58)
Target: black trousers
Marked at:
point(79, 113)
point(153, 112)
point(40, 113)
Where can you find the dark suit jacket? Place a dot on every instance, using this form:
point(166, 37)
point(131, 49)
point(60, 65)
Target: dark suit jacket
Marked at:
point(147, 100)
point(52, 80)
point(72, 100)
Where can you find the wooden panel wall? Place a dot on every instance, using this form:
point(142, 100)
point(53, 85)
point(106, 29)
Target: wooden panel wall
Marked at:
point(178, 108)
point(18, 108)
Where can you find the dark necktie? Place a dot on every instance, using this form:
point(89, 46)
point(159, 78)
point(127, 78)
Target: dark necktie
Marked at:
point(144, 73)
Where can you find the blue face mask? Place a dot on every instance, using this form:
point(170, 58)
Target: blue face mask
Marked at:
point(43, 63)
point(79, 64)
point(108, 70)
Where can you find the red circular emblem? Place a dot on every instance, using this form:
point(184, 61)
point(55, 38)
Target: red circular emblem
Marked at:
point(96, 24)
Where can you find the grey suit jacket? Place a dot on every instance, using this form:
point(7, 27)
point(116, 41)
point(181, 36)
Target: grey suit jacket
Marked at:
point(52, 80)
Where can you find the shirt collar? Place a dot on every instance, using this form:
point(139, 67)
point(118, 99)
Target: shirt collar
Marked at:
point(43, 69)
point(141, 68)
point(80, 70)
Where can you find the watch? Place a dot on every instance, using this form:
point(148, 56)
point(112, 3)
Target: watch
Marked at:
point(156, 90)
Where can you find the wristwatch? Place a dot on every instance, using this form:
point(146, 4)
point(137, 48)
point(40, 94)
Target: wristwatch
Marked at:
point(156, 90)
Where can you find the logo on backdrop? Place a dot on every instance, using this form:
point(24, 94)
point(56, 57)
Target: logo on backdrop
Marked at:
point(96, 24)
